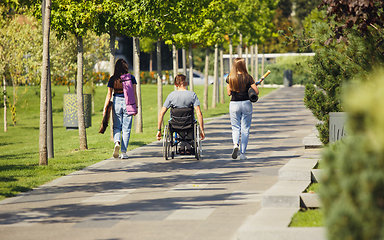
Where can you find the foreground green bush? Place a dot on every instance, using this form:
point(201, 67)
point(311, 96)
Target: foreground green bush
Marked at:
point(352, 192)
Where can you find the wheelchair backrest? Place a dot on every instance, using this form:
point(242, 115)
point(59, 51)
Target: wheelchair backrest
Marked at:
point(182, 118)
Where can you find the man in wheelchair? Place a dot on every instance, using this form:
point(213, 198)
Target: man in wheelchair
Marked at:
point(182, 103)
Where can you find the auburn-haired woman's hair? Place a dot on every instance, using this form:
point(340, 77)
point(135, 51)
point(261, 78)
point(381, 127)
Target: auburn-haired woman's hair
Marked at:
point(121, 68)
point(180, 79)
point(238, 84)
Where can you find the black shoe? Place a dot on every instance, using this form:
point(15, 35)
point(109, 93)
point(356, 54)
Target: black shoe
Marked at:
point(235, 150)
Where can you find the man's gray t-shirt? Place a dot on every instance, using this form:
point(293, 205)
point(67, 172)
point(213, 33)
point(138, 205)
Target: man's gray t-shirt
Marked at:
point(181, 99)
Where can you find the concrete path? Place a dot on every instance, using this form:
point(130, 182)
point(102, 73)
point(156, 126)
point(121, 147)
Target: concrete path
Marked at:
point(146, 197)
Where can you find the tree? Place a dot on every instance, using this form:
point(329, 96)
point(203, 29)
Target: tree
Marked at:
point(304, 7)
point(20, 53)
point(43, 153)
point(76, 17)
point(366, 15)
point(337, 62)
point(148, 46)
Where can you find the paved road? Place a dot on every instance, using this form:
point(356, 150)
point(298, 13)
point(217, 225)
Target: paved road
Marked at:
point(146, 197)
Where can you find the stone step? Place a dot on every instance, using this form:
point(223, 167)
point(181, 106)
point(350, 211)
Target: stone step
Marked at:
point(312, 141)
point(272, 223)
point(310, 200)
point(316, 175)
point(284, 194)
point(297, 169)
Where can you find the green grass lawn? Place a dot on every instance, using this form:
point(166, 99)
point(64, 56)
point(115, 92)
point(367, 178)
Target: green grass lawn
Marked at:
point(308, 218)
point(19, 146)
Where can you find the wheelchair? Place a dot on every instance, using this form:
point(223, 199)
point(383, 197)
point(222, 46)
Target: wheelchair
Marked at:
point(182, 129)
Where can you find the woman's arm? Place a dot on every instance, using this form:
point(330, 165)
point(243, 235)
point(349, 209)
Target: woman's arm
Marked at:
point(255, 88)
point(107, 99)
point(229, 92)
point(134, 90)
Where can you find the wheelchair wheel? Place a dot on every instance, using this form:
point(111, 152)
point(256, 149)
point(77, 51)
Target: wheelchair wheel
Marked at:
point(167, 138)
point(197, 142)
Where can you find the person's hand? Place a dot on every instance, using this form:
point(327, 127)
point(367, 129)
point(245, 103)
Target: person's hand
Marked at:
point(202, 135)
point(158, 135)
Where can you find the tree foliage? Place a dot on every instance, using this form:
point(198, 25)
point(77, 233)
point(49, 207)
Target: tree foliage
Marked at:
point(20, 56)
point(336, 63)
point(359, 14)
point(304, 7)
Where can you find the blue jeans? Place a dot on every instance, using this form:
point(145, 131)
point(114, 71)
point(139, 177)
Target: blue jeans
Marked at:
point(122, 122)
point(241, 117)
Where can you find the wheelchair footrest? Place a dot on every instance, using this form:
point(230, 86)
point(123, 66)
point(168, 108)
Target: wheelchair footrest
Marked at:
point(187, 151)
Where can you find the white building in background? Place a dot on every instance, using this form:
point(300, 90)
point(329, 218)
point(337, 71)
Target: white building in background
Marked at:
point(101, 66)
point(269, 57)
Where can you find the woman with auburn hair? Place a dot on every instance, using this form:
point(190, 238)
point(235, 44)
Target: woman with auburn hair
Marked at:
point(122, 121)
point(240, 107)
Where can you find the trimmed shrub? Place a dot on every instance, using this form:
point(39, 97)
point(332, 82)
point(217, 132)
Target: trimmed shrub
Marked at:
point(352, 192)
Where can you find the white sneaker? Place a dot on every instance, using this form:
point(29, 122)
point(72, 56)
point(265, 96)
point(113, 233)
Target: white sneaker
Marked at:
point(116, 150)
point(242, 156)
point(124, 155)
point(235, 150)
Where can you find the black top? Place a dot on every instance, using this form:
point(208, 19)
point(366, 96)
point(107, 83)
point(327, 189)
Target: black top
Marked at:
point(245, 82)
point(117, 85)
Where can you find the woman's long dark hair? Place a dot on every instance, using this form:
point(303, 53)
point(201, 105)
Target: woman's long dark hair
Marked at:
point(121, 68)
point(238, 84)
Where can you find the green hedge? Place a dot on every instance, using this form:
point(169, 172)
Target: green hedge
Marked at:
point(298, 65)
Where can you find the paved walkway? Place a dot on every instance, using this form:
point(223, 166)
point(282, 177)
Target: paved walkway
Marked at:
point(146, 197)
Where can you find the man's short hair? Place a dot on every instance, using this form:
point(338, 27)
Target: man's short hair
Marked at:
point(180, 79)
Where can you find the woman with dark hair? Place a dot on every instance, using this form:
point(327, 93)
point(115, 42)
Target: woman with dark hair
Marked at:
point(240, 107)
point(122, 121)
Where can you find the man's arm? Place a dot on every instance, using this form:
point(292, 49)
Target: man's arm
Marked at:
point(201, 121)
point(160, 122)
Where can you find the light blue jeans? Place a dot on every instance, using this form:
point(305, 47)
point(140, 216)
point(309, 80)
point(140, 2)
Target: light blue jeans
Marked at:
point(122, 122)
point(241, 118)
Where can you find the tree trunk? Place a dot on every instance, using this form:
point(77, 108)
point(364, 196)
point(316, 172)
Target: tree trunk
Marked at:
point(13, 108)
point(256, 63)
point(93, 97)
point(50, 150)
point(206, 79)
point(112, 54)
point(240, 49)
point(222, 96)
point(190, 67)
point(252, 62)
point(5, 103)
point(215, 91)
point(174, 58)
point(184, 61)
point(151, 62)
point(230, 54)
point(80, 97)
point(262, 65)
point(159, 77)
point(43, 154)
point(136, 73)
point(246, 58)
